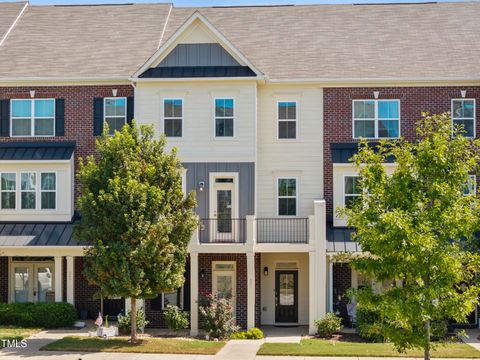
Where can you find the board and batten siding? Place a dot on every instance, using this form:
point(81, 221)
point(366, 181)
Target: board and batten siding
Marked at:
point(301, 158)
point(198, 143)
point(196, 172)
point(212, 54)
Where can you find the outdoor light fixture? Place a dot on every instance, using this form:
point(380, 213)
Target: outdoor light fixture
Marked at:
point(464, 93)
point(265, 271)
point(114, 92)
point(202, 273)
point(201, 185)
point(375, 94)
point(32, 93)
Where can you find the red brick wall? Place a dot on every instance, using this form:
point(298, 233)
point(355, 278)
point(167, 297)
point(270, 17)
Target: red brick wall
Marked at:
point(3, 279)
point(258, 286)
point(205, 284)
point(342, 281)
point(413, 101)
point(78, 112)
point(84, 292)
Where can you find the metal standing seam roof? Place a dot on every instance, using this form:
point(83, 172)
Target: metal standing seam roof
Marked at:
point(37, 234)
point(38, 150)
point(198, 72)
point(347, 42)
point(343, 152)
point(339, 239)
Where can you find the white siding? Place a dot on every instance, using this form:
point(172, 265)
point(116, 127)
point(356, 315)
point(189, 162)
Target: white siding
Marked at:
point(198, 143)
point(65, 177)
point(301, 158)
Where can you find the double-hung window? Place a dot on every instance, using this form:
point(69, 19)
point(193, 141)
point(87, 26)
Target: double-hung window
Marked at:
point(172, 117)
point(32, 117)
point(351, 190)
point(224, 117)
point(463, 114)
point(173, 298)
point(8, 187)
point(28, 189)
point(48, 190)
point(287, 196)
point(376, 118)
point(287, 120)
point(115, 113)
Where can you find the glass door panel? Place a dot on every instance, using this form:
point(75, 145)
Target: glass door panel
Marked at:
point(224, 286)
point(22, 284)
point(224, 211)
point(44, 276)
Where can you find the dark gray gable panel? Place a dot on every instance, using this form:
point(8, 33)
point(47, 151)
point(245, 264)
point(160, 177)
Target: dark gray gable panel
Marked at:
point(198, 55)
point(5, 118)
point(59, 117)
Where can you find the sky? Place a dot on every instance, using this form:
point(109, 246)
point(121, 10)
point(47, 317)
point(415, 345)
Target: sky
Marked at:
point(221, 2)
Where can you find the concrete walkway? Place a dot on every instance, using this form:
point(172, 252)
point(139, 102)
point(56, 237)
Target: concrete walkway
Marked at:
point(473, 338)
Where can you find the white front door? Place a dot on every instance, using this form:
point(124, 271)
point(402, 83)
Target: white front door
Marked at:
point(224, 282)
point(224, 210)
point(31, 282)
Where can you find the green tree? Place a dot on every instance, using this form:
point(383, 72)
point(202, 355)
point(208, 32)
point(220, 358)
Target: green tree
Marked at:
point(417, 231)
point(134, 216)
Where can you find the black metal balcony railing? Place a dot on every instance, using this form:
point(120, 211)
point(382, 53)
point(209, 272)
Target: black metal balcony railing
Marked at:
point(282, 230)
point(222, 231)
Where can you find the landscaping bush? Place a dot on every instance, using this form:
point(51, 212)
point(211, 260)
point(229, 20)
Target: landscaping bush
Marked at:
point(175, 318)
point(125, 322)
point(369, 325)
point(46, 315)
point(218, 319)
point(252, 334)
point(329, 325)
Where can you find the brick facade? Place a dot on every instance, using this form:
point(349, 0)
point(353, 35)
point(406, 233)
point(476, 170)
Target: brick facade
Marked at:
point(413, 101)
point(342, 281)
point(84, 292)
point(3, 279)
point(78, 112)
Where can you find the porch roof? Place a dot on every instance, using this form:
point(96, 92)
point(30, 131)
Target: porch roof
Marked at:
point(339, 239)
point(37, 234)
point(38, 150)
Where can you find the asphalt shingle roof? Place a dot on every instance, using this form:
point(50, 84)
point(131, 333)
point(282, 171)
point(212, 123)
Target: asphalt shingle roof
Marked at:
point(8, 13)
point(326, 42)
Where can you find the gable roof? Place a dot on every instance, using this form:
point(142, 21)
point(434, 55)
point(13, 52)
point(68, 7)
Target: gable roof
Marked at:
point(9, 12)
point(430, 41)
point(104, 42)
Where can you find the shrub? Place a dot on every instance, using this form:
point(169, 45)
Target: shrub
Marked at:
point(329, 325)
point(175, 318)
point(219, 322)
point(46, 315)
point(252, 334)
point(369, 325)
point(125, 322)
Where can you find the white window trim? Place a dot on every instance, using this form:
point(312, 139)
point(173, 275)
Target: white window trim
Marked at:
point(376, 119)
point(32, 118)
point(105, 116)
point(28, 191)
point(344, 194)
point(287, 120)
point(170, 118)
point(474, 115)
point(278, 197)
point(48, 191)
point(224, 117)
point(164, 306)
point(9, 191)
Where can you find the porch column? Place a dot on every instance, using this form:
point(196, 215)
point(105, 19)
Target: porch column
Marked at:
point(250, 290)
point(58, 279)
point(70, 279)
point(194, 293)
point(312, 292)
point(330, 285)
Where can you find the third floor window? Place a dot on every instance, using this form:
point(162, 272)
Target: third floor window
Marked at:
point(376, 119)
point(32, 117)
point(115, 113)
point(224, 117)
point(287, 120)
point(463, 114)
point(172, 117)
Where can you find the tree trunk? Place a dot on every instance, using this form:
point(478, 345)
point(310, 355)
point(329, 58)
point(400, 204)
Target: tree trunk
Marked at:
point(133, 318)
point(426, 355)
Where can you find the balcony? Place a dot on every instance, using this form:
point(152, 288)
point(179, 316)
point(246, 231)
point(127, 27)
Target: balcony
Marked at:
point(282, 230)
point(222, 231)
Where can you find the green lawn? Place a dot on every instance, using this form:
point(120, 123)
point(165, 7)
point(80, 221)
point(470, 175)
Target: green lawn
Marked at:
point(318, 347)
point(16, 333)
point(147, 345)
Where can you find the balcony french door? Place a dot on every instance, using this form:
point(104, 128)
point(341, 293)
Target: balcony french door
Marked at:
point(32, 282)
point(223, 210)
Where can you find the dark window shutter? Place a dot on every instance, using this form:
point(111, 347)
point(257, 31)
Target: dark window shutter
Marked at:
point(130, 110)
point(97, 116)
point(4, 117)
point(60, 117)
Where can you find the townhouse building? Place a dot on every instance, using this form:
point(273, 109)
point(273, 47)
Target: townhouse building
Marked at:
point(265, 106)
